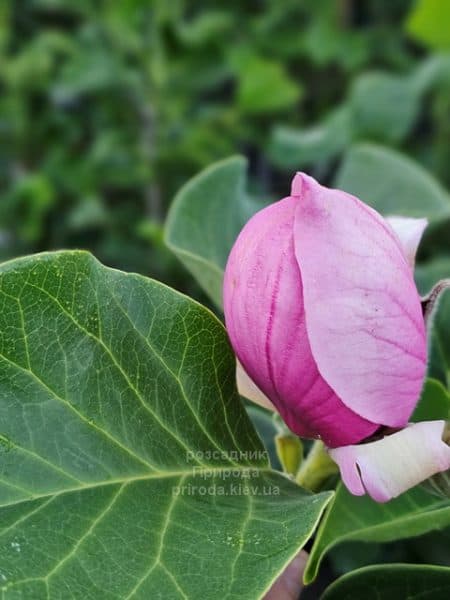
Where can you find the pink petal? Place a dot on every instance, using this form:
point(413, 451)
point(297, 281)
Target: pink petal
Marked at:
point(409, 232)
point(390, 466)
point(263, 305)
point(248, 389)
point(363, 312)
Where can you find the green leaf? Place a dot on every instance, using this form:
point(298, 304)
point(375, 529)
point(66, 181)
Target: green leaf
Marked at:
point(439, 341)
point(353, 518)
point(267, 429)
point(392, 581)
point(429, 273)
point(118, 407)
point(428, 23)
point(205, 219)
point(384, 106)
point(392, 183)
point(263, 85)
point(294, 148)
point(327, 44)
point(380, 106)
point(431, 73)
point(434, 402)
point(355, 555)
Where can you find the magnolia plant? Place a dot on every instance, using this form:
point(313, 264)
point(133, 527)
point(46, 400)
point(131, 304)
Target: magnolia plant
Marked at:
point(324, 316)
point(131, 468)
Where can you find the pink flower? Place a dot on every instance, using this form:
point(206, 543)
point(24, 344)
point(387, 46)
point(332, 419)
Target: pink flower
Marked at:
point(323, 313)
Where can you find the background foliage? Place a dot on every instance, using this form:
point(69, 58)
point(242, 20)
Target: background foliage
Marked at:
point(107, 108)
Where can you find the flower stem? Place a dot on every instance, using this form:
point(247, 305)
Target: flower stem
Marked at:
point(290, 452)
point(316, 468)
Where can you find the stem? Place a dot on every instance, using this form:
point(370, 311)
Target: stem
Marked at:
point(290, 452)
point(316, 468)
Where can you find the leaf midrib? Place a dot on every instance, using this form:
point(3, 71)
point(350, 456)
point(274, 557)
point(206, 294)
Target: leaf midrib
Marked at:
point(177, 378)
point(99, 341)
point(150, 476)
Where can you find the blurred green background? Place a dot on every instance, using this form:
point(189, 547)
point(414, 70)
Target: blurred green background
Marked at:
point(108, 107)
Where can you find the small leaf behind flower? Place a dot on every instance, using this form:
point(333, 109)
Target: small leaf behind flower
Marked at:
point(434, 403)
point(205, 220)
point(353, 518)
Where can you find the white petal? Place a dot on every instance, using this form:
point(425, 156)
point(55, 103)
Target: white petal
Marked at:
point(248, 389)
point(390, 466)
point(409, 231)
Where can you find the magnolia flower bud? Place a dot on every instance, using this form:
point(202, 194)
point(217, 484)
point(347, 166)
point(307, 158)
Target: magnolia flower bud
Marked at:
point(324, 316)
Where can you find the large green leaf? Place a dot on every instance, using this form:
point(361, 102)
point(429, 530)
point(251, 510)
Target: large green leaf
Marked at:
point(392, 183)
point(129, 468)
point(205, 219)
point(353, 518)
point(411, 582)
